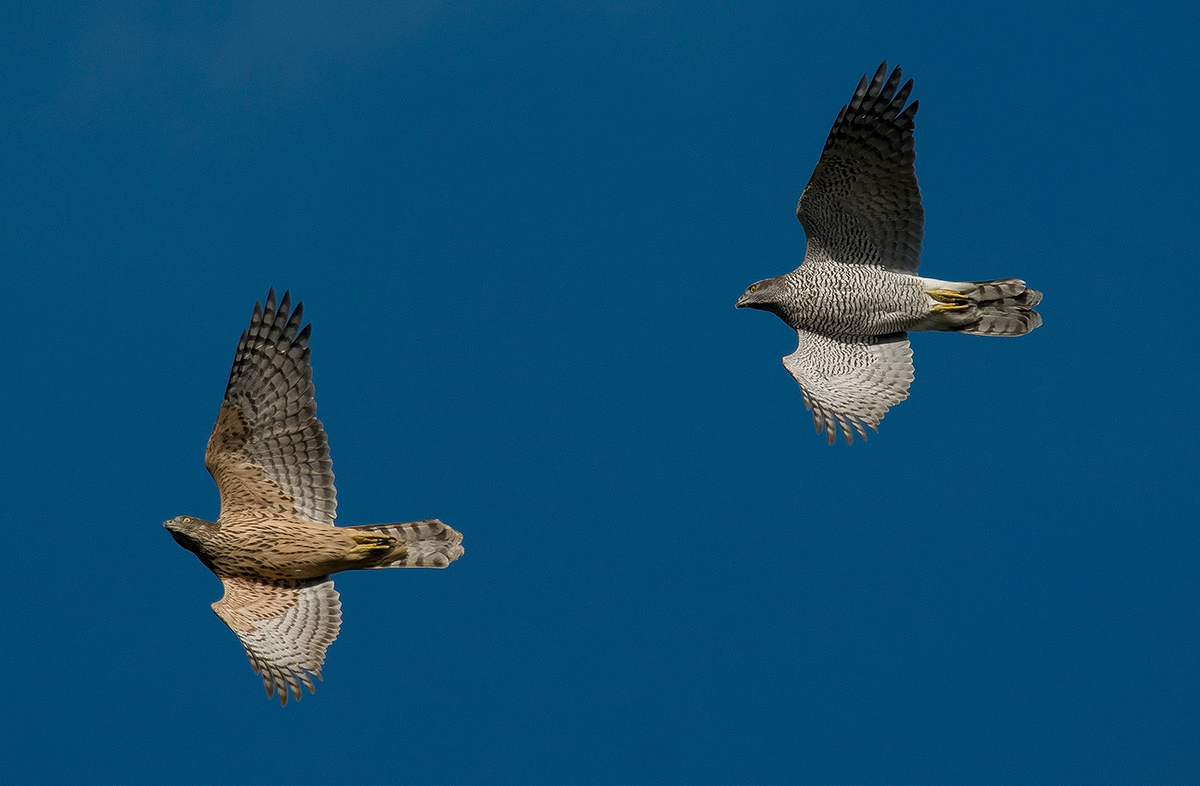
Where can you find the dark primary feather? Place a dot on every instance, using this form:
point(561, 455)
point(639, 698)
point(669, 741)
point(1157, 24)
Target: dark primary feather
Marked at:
point(862, 204)
point(268, 419)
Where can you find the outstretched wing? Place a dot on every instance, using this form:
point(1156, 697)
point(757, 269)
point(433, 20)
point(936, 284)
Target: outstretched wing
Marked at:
point(862, 205)
point(851, 380)
point(268, 451)
point(285, 626)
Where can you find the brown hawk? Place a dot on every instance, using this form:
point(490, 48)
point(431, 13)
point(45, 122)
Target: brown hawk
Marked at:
point(274, 545)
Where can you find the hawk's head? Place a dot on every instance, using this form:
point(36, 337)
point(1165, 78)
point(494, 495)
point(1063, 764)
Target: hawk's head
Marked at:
point(765, 295)
point(190, 532)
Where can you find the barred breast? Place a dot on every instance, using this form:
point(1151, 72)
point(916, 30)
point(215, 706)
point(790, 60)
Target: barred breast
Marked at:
point(853, 300)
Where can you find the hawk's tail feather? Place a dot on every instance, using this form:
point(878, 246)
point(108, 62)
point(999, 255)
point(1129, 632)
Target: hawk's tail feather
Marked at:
point(1002, 321)
point(1001, 307)
point(419, 544)
point(1002, 289)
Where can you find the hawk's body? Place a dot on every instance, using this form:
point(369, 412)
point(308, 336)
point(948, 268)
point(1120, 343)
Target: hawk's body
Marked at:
point(839, 299)
point(274, 545)
point(857, 292)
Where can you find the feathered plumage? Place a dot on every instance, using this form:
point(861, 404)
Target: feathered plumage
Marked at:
point(274, 545)
point(857, 292)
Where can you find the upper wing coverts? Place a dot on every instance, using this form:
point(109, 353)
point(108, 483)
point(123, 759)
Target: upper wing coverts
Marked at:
point(267, 448)
point(862, 205)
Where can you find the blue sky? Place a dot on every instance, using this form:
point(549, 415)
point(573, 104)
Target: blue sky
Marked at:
point(519, 231)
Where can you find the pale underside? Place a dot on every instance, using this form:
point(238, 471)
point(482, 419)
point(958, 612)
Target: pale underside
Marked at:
point(285, 627)
point(851, 381)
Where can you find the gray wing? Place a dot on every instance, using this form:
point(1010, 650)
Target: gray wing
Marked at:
point(284, 626)
point(852, 380)
point(862, 205)
point(267, 450)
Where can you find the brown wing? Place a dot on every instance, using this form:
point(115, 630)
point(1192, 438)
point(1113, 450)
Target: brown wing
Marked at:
point(268, 451)
point(284, 626)
point(851, 381)
point(862, 205)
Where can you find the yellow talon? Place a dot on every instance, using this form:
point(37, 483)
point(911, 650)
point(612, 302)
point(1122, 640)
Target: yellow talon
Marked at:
point(942, 308)
point(946, 296)
point(371, 544)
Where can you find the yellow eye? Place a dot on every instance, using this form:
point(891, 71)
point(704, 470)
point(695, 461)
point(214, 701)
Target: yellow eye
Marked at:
point(187, 520)
point(753, 287)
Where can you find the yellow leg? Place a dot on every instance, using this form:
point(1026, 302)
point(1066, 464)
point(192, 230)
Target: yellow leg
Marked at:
point(947, 296)
point(948, 300)
point(370, 543)
point(942, 308)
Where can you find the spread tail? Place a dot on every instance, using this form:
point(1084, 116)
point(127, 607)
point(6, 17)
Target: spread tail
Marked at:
point(419, 544)
point(1002, 307)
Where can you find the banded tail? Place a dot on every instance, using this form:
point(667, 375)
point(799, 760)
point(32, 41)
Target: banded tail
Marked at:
point(1002, 307)
point(419, 544)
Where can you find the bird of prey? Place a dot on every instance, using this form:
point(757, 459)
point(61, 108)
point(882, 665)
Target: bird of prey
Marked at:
point(274, 544)
point(857, 291)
